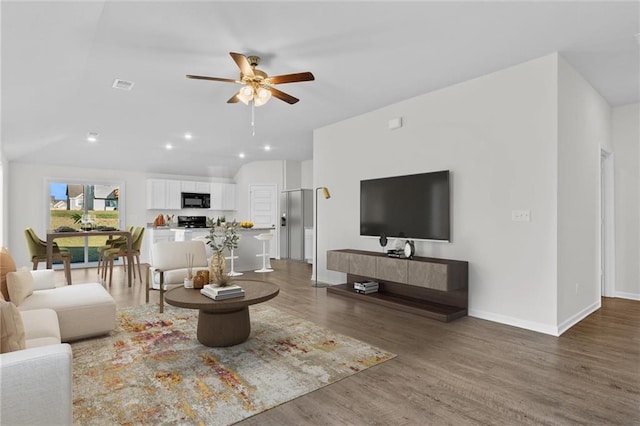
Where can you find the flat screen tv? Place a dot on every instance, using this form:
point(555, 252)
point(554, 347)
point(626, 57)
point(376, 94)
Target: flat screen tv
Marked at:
point(411, 206)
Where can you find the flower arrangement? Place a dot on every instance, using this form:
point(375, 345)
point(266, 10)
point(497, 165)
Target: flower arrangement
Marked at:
point(222, 236)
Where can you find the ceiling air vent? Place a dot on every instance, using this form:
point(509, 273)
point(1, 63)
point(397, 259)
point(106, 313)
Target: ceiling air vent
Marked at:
point(122, 84)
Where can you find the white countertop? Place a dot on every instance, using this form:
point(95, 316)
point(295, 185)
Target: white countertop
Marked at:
point(175, 229)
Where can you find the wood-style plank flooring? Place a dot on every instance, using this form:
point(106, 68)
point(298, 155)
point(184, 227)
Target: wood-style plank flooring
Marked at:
point(467, 372)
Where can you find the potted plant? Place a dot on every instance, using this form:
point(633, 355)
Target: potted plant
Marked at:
point(222, 236)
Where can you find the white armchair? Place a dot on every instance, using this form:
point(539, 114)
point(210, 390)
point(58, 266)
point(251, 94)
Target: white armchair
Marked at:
point(36, 382)
point(35, 386)
point(169, 265)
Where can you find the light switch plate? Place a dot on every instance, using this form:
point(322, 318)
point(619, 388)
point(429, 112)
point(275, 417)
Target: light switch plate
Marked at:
point(521, 215)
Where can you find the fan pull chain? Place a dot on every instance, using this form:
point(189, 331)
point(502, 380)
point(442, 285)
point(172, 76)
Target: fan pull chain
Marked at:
point(253, 118)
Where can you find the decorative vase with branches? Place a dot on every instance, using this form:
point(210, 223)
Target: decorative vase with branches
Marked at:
point(222, 236)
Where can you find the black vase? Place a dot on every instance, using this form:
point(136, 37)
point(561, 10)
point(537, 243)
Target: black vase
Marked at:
point(383, 240)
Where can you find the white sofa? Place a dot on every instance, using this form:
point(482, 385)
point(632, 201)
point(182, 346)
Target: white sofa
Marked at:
point(36, 382)
point(169, 264)
point(84, 310)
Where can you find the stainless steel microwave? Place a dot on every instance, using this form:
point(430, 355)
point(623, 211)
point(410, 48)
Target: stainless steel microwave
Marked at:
point(192, 200)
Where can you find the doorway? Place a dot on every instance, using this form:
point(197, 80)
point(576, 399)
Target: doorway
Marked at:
point(607, 220)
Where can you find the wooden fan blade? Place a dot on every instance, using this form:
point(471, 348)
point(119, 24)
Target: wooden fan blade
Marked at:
point(234, 99)
point(283, 96)
point(201, 77)
point(243, 63)
point(291, 78)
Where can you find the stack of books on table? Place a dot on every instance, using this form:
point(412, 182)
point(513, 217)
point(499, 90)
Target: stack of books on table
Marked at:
point(222, 293)
point(366, 287)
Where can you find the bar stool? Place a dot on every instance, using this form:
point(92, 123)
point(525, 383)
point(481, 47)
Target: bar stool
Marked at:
point(233, 273)
point(264, 238)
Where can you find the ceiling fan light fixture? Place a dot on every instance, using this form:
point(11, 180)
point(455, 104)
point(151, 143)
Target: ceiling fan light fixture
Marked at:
point(245, 94)
point(262, 96)
point(257, 85)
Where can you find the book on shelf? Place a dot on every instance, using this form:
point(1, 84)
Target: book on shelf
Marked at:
point(368, 291)
point(365, 285)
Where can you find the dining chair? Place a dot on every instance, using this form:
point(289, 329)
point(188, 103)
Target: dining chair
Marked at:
point(38, 251)
point(120, 241)
point(109, 255)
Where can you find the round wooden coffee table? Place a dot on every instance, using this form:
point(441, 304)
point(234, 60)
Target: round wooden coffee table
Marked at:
point(223, 322)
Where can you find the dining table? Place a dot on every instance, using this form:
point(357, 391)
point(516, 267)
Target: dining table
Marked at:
point(53, 234)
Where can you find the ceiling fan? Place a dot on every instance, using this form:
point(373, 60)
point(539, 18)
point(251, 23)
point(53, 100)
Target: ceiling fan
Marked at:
point(257, 85)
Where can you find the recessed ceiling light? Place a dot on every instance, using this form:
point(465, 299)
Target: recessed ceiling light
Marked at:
point(92, 137)
point(241, 155)
point(168, 146)
point(267, 148)
point(188, 136)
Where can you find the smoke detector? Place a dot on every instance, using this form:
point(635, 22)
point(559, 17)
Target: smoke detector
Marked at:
point(122, 84)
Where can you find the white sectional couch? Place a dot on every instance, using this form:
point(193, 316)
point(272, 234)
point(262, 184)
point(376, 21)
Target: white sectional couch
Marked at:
point(84, 310)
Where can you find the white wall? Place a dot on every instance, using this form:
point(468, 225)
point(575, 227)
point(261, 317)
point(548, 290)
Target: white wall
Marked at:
point(626, 147)
point(584, 128)
point(292, 174)
point(4, 198)
point(497, 134)
point(306, 179)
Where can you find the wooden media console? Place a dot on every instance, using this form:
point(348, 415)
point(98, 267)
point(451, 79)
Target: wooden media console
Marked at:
point(431, 287)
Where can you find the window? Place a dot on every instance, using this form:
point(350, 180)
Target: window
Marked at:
point(69, 201)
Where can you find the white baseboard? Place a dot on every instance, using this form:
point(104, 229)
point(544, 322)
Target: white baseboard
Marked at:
point(623, 295)
point(578, 317)
point(536, 326)
point(516, 322)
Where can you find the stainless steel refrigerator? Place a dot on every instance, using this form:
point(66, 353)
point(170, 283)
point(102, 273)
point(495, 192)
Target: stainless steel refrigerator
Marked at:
point(296, 214)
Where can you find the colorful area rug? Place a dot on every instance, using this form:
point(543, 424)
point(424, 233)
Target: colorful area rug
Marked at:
point(152, 369)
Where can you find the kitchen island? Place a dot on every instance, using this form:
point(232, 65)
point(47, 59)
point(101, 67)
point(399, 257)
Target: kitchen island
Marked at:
point(246, 253)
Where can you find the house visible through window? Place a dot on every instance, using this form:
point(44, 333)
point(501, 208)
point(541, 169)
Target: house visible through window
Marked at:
point(70, 201)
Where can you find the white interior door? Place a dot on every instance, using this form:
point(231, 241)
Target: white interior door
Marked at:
point(263, 209)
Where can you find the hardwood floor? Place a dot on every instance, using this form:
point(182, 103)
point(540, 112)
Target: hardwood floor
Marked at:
point(467, 372)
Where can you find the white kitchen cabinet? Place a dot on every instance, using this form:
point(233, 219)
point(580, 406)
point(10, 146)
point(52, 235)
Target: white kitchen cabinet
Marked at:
point(228, 196)
point(156, 193)
point(196, 187)
point(223, 196)
point(216, 196)
point(174, 195)
point(188, 186)
point(163, 194)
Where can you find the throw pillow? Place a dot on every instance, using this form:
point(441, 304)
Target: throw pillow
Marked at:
point(11, 328)
point(20, 285)
point(6, 265)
